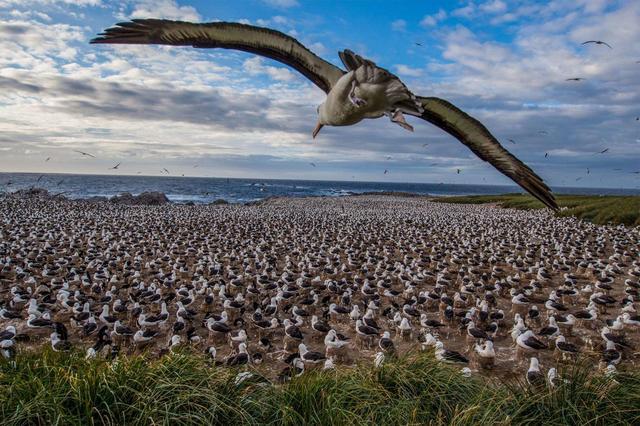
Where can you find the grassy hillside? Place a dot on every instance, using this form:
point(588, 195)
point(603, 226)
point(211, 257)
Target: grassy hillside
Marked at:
point(53, 388)
point(597, 209)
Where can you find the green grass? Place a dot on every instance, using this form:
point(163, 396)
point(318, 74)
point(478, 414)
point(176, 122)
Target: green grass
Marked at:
point(597, 209)
point(53, 388)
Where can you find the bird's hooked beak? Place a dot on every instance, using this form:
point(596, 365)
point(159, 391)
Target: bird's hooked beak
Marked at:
point(316, 130)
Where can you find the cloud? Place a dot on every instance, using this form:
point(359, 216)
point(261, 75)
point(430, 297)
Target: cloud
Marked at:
point(465, 11)
point(493, 6)
point(282, 3)
point(167, 9)
point(255, 66)
point(399, 25)
point(408, 71)
point(27, 3)
point(432, 20)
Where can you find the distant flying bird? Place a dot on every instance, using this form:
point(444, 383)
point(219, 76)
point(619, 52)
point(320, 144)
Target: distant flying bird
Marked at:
point(424, 145)
point(386, 171)
point(48, 158)
point(418, 44)
point(575, 79)
point(313, 164)
point(389, 157)
point(512, 141)
point(166, 171)
point(115, 167)
point(603, 151)
point(458, 171)
point(546, 154)
point(543, 132)
point(597, 42)
point(363, 91)
point(637, 173)
point(86, 154)
point(577, 179)
point(588, 171)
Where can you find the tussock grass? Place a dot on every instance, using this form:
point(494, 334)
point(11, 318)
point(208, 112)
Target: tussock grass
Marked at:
point(52, 388)
point(600, 210)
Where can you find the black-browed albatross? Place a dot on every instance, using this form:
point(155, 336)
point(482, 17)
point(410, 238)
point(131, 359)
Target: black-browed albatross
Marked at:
point(363, 91)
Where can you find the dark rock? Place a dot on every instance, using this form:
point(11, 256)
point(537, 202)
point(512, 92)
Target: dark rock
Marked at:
point(144, 199)
point(32, 193)
point(219, 201)
point(96, 199)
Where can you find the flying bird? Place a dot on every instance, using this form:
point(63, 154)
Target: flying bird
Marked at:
point(575, 79)
point(313, 164)
point(543, 132)
point(363, 91)
point(546, 155)
point(458, 171)
point(418, 44)
point(386, 171)
point(424, 145)
point(512, 141)
point(48, 158)
point(86, 154)
point(597, 42)
point(389, 157)
point(165, 170)
point(603, 151)
point(115, 167)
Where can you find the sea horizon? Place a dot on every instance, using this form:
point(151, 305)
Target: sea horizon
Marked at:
point(202, 189)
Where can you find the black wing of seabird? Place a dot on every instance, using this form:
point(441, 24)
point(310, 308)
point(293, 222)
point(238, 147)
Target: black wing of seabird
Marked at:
point(534, 343)
point(476, 137)
point(226, 35)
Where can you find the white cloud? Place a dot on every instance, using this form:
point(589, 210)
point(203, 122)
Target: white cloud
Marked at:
point(167, 9)
point(26, 3)
point(408, 71)
point(281, 3)
point(494, 6)
point(465, 11)
point(399, 25)
point(255, 66)
point(432, 20)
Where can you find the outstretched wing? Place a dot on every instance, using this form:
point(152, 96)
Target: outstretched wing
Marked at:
point(226, 35)
point(475, 135)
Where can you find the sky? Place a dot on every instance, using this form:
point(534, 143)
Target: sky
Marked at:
point(205, 112)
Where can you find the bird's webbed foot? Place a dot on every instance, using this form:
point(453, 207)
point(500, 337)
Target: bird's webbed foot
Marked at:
point(353, 98)
point(398, 118)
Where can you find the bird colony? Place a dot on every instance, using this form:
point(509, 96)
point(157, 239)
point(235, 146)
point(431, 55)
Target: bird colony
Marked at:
point(297, 284)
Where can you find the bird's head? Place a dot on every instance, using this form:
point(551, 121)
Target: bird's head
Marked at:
point(321, 119)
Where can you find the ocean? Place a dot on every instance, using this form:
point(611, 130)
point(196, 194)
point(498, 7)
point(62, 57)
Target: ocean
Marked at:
point(235, 190)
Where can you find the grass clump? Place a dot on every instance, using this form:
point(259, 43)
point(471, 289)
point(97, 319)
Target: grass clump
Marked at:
point(53, 388)
point(601, 210)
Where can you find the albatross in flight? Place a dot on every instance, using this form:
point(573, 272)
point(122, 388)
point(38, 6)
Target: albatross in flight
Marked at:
point(364, 90)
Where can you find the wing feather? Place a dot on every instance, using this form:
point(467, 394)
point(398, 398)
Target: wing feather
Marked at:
point(476, 137)
point(226, 35)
